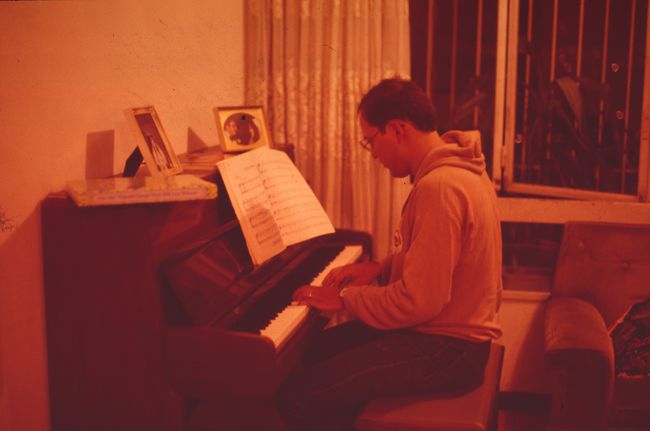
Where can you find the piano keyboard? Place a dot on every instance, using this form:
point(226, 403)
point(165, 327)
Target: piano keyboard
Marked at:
point(289, 319)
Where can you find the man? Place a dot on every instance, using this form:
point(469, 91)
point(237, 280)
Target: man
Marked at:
point(424, 316)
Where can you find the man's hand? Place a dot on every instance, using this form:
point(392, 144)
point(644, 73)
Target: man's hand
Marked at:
point(354, 274)
point(322, 298)
point(326, 297)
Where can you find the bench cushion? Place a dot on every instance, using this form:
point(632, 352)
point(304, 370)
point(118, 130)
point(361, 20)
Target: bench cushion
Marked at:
point(471, 411)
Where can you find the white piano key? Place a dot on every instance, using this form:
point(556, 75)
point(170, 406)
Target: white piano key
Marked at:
point(349, 254)
point(289, 319)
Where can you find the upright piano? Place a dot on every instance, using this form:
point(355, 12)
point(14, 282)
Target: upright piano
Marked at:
point(154, 309)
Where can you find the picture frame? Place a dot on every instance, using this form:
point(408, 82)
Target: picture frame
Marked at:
point(242, 128)
point(157, 152)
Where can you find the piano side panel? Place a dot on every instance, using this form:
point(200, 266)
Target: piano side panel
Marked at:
point(103, 321)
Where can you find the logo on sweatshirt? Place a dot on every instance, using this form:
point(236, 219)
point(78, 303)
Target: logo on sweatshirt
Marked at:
point(397, 240)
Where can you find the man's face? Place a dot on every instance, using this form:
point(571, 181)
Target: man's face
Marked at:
point(231, 127)
point(386, 148)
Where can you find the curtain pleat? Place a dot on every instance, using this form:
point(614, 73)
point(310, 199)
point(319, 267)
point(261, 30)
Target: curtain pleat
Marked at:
point(308, 63)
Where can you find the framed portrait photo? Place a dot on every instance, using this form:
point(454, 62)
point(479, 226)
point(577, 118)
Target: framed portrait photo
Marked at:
point(242, 128)
point(156, 150)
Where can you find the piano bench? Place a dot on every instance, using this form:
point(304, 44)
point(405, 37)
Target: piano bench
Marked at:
point(476, 410)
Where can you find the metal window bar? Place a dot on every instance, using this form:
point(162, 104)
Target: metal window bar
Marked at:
point(524, 132)
point(507, 76)
point(553, 42)
point(549, 121)
point(603, 81)
point(581, 30)
point(644, 143)
point(581, 26)
point(429, 67)
point(454, 58)
point(500, 127)
point(477, 67)
point(628, 95)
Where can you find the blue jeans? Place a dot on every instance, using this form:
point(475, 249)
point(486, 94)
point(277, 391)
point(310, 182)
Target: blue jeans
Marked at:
point(351, 364)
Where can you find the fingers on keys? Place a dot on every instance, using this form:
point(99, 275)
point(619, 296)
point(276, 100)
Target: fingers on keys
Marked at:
point(302, 293)
point(335, 278)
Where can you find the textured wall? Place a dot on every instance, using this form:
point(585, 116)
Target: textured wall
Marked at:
point(67, 72)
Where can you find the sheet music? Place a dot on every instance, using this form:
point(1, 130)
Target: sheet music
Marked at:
point(274, 204)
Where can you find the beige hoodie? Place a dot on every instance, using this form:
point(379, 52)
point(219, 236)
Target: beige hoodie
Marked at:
point(445, 275)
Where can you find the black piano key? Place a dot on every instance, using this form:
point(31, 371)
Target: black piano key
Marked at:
point(276, 299)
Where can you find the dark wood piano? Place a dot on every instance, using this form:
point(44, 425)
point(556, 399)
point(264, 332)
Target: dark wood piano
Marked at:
point(152, 310)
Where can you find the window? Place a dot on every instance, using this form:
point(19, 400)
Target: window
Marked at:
point(555, 87)
point(574, 76)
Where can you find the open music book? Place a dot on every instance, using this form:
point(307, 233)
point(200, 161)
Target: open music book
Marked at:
point(272, 201)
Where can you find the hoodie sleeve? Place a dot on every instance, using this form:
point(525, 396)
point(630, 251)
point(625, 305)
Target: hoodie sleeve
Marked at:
point(424, 287)
point(384, 273)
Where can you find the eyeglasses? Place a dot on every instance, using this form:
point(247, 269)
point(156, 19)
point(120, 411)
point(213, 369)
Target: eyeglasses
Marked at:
point(366, 143)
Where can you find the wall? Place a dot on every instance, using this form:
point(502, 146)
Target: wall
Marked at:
point(67, 72)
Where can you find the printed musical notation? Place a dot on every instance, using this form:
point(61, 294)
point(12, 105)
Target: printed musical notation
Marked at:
point(274, 204)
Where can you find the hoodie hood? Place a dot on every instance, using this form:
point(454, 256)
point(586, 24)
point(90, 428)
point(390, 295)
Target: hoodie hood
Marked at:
point(462, 149)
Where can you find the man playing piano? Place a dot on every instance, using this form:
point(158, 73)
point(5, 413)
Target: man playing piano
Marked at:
point(424, 317)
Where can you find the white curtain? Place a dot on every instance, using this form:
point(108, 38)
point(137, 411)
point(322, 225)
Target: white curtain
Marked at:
point(308, 63)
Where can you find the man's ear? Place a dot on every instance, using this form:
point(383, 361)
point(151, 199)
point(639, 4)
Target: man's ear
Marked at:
point(396, 126)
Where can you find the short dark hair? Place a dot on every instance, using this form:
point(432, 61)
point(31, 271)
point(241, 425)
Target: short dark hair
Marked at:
point(398, 99)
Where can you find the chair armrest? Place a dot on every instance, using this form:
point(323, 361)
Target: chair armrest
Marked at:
point(572, 323)
point(580, 359)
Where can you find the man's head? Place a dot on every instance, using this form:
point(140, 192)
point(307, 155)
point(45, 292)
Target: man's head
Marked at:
point(398, 124)
point(398, 99)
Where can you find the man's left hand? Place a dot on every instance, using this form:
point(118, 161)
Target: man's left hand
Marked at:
point(319, 297)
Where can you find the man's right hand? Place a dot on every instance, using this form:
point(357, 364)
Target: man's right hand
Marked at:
point(354, 274)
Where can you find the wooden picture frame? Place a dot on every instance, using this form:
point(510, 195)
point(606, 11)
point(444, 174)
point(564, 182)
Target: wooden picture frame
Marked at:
point(154, 146)
point(242, 128)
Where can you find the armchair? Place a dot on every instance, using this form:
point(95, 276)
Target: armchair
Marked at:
point(602, 270)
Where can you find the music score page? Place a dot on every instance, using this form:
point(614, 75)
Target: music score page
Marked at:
point(274, 204)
